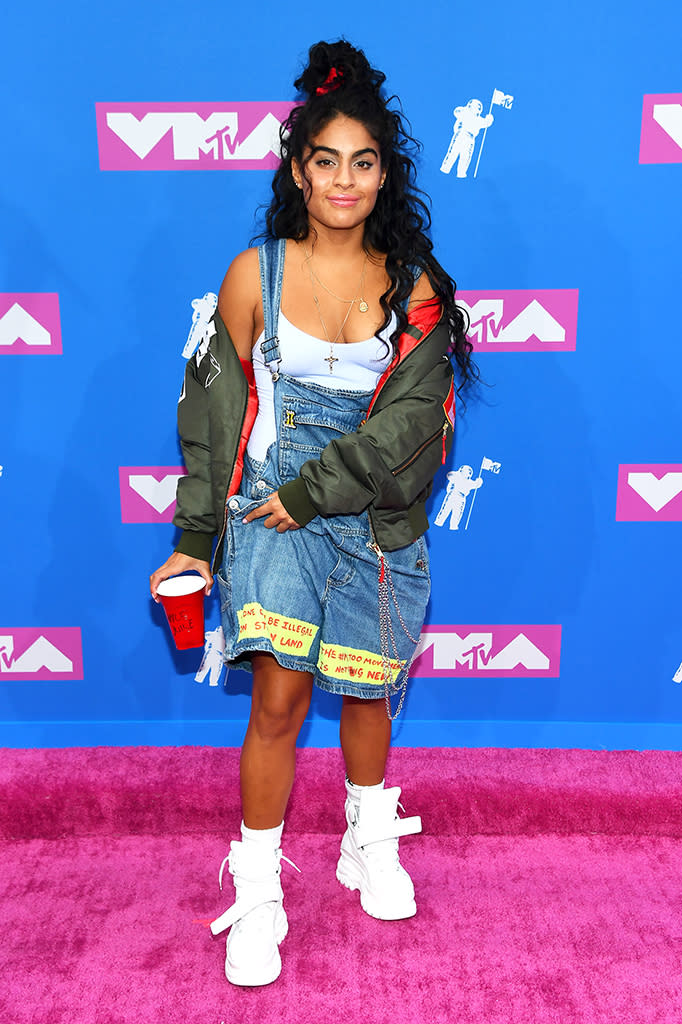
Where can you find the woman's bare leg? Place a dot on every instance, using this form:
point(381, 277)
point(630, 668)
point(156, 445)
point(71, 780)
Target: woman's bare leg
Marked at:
point(365, 739)
point(279, 704)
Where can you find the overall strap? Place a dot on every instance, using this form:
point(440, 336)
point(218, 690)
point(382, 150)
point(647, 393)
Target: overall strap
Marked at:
point(271, 263)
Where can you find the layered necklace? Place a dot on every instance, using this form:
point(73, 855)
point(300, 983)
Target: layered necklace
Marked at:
point(358, 297)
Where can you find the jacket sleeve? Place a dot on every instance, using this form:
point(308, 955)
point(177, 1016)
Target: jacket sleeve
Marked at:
point(194, 509)
point(391, 458)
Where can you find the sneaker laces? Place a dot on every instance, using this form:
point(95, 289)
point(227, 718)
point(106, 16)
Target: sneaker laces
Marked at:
point(280, 857)
point(251, 894)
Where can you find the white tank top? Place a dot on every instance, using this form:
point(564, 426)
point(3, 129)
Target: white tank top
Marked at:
point(359, 366)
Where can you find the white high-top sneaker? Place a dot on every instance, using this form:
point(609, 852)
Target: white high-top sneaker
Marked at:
point(369, 853)
point(257, 920)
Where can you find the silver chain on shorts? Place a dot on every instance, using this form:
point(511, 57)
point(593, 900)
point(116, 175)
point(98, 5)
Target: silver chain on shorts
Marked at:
point(386, 634)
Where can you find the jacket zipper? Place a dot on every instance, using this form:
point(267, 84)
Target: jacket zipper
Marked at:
point(441, 432)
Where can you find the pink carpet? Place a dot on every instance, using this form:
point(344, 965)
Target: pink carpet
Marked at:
point(548, 888)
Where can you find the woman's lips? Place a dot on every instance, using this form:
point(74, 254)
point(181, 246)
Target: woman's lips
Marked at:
point(343, 200)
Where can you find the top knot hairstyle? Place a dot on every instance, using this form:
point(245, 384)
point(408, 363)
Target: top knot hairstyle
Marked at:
point(340, 80)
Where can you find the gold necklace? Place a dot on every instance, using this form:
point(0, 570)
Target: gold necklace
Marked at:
point(362, 304)
point(331, 358)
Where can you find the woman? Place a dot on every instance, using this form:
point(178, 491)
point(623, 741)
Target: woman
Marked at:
point(312, 424)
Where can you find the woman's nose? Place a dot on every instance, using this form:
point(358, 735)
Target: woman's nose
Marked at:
point(344, 177)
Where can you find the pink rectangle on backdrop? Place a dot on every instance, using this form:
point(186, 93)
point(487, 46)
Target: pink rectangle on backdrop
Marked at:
point(661, 137)
point(148, 493)
point(522, 320)
point(189, 136)
point(30, 324)
point(649, 492)
point(40, 653)
point(532, 651)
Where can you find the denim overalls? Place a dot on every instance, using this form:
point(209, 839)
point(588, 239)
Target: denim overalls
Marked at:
point(311, 597)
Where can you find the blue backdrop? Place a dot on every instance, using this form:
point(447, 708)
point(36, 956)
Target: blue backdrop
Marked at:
point(563, 233)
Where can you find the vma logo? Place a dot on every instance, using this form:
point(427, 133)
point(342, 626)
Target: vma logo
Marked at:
point(41, 654)
point(148, 493)
point(649, 493)
point(661, 138)
point(189, 136)
point(29, 323)
point(480, 651)
point(542, 320)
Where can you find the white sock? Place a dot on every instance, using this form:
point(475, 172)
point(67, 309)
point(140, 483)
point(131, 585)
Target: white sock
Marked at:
point(271, 836)
point(354, 792)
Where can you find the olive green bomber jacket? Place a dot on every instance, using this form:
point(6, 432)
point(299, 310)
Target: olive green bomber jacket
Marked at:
point(387, 466)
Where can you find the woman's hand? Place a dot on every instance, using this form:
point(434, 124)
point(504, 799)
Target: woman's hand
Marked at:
point(176, 564)
point(276, 513)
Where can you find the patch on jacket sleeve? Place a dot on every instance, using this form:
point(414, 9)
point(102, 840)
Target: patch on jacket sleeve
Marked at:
point(203, 328)
point(212, 369)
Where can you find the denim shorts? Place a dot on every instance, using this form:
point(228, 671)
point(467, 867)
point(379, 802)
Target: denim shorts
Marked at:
point(310, 597)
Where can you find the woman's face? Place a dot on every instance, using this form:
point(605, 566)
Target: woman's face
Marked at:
point(341, 175)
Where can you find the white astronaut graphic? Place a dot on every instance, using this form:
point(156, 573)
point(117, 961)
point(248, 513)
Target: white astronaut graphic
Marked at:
point(468, 122)
point(460, 485)
point(212, 661)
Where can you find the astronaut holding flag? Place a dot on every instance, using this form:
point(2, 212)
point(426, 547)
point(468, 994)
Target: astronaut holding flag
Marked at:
point(460, 485)
point(468, 122)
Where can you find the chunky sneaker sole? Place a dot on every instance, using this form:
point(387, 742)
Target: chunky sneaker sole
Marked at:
point(265, 972)
point(353, 874)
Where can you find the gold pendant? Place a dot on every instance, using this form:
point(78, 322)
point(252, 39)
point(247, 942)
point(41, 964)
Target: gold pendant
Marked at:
point(362, 306)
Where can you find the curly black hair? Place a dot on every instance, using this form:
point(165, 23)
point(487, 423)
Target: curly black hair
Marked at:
point(400, 220)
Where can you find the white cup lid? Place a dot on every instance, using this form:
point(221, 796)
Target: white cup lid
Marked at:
point(177, 586)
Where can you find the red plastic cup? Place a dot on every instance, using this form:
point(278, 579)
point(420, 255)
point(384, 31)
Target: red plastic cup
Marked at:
point(183, 600)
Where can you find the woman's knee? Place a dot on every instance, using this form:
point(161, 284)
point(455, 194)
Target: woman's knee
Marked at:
point(280, 702)
point(275, 719)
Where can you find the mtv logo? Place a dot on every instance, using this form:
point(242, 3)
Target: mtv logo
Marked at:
point(41, 654)
point(189, 136)
point(485, 651)
point(29, 324)
point(661, 136)
point(148, 493)
point(649, 493)
point(538, 320)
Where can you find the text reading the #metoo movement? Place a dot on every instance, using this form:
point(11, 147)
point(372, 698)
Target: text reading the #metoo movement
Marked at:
point(351, 663)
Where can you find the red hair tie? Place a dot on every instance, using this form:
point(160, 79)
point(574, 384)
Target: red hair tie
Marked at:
point(330, 83)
